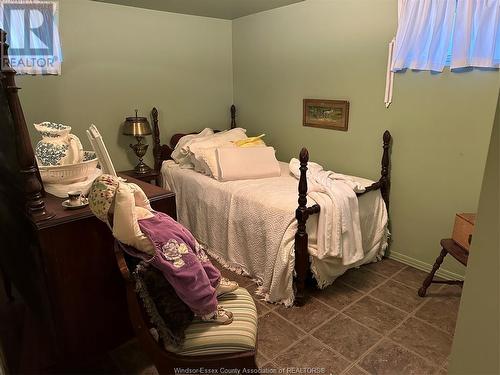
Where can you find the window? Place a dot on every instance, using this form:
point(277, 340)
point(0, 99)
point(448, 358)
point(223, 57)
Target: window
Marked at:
point(433, 34)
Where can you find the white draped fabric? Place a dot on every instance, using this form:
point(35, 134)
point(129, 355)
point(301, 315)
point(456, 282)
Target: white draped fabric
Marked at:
point(476, 38)
point(424, 34)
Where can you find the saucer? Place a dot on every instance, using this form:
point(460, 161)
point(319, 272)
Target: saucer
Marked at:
point(84, 203)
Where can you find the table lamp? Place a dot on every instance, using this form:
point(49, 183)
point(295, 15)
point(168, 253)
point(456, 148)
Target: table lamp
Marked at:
point(138, 127)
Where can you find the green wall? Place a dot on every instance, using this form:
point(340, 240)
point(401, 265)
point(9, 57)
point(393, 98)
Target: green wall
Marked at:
point(119, 58)
point(476, 345)
point(337, 49)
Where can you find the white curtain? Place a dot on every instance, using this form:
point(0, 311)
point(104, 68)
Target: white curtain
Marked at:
point(424, 34)
point(21, 57)
point(430, 30)
point(476, 38)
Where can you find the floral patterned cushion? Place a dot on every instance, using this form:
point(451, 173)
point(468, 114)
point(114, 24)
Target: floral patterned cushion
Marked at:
point(101, 195)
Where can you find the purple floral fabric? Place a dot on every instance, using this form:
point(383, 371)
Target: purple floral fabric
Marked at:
point(183, 262)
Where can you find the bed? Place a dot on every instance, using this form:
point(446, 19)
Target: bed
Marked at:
point(255, 227)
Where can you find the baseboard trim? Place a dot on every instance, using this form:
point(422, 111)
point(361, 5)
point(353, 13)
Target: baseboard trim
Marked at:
point(445, 274)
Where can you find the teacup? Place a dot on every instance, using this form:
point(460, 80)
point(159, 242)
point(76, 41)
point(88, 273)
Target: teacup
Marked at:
point(75, 198)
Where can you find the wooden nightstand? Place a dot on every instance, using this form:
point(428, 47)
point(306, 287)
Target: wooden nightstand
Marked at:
point(152, 175)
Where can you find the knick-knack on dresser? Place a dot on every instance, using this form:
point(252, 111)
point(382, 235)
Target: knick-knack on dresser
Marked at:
point(58, 146)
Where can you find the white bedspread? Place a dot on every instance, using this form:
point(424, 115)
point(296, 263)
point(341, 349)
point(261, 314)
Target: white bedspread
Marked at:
point(249, 225)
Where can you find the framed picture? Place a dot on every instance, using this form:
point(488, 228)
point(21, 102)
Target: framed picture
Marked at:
point(327, 114)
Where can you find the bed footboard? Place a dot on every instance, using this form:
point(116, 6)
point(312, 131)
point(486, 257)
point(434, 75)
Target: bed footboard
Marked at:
point(302, 213)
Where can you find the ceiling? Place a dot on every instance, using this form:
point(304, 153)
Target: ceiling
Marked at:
point(226, 9)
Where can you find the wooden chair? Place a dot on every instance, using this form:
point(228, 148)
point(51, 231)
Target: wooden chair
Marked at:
point(448, 246)
point(164, 360)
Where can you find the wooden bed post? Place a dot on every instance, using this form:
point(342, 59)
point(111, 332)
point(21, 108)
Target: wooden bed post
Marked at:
point(384, 183)
point(384, 173)
point(156, 139)
point(233, 116)
point(301, 239)
point(33, 189)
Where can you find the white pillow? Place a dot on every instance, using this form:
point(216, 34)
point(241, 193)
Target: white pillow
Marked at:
point(206, 159)
point(217, 140)
point(181, 151)
point(243, 163)
point(203, 149)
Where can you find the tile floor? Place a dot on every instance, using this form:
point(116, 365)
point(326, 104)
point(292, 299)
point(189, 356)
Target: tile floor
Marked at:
point(370, 321)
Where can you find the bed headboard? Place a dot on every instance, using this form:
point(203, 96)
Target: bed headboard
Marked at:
point(164, 152)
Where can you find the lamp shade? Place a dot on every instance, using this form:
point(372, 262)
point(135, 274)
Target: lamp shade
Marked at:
point(136, 126)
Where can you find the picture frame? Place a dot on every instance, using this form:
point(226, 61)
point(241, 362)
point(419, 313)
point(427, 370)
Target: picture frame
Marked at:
point(326, 114)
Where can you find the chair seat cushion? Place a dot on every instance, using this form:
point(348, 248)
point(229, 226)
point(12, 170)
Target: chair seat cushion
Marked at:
point(203, 338)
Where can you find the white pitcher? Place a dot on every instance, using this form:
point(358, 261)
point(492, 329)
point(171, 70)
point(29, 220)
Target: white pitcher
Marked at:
point(58, 146)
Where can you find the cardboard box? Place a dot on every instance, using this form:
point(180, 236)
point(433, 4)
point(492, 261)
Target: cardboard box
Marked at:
point(463, 229)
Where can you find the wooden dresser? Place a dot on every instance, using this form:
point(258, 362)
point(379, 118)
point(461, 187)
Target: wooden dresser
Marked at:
point(88, 308)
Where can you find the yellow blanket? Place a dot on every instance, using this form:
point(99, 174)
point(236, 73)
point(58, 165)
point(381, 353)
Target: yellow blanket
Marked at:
point(250, 142)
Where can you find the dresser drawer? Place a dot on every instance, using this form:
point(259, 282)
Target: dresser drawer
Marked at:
point(166, 205)
point(463, 229)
